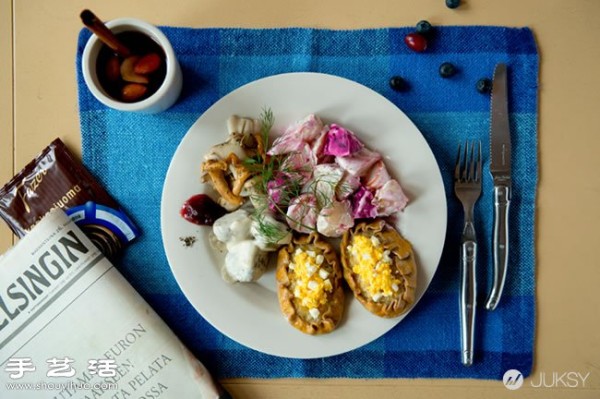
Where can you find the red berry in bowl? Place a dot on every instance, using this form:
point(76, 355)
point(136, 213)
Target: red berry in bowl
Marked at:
point(416, 42)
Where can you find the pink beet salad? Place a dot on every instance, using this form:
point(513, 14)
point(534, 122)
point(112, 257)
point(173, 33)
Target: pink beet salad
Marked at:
point(328, 178)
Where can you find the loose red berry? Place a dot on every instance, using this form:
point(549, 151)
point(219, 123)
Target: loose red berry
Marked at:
point(416, 42)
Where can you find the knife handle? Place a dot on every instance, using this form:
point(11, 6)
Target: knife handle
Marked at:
point(502, 196)
point(468, 299)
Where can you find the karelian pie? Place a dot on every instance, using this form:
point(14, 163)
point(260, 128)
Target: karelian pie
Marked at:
point(309, 284)
point(379, 266)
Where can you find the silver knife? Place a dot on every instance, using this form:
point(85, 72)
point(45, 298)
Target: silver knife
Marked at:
point(500, 168)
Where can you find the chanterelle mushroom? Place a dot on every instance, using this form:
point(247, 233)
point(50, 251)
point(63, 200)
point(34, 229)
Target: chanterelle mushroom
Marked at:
point(223, 167)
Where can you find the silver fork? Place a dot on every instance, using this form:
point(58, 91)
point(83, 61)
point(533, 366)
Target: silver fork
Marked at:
point(467, 187)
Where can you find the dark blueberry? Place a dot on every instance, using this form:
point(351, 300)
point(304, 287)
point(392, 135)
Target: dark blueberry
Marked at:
point(398, 84)
point(424, 28)
point(416, 42)
point(484, 85)
point(447, 70)
point(452, 3)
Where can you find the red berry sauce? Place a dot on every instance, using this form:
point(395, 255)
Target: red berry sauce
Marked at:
point(201, 209)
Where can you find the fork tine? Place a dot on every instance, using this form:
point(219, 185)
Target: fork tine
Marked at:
point(479, 163)
point(472, 163)
point(457, 165)
point(466, 162)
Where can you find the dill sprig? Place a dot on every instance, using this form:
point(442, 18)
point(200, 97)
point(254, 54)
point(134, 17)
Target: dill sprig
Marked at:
point(269, 168)
point(269, 230)
point(265, 167)
point(267, 120)
point(257, 163)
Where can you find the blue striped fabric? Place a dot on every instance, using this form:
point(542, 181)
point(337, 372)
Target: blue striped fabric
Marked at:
point(130, 154)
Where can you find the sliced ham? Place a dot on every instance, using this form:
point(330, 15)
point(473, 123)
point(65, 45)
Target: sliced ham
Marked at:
point(299, 165)
point(324, 181)
point(302, 213)
point(335, 219)
point(296, 136)
point(347, 186)
point(390, 198)
point(377, 176)
point(359, 163)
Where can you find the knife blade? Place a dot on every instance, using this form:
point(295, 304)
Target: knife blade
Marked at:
point(500, 169)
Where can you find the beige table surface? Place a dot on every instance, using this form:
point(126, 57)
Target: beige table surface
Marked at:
point(38, 101)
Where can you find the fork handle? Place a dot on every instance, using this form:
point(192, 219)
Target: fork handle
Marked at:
point(468, 300)
point(502, 196)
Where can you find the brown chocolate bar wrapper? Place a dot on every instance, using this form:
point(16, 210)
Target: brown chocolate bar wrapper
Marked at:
point(56, 179)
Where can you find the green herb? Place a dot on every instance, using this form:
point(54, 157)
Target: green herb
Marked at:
point(272, 233)
point(323, 189)
point(268, 167)
point(267, 120)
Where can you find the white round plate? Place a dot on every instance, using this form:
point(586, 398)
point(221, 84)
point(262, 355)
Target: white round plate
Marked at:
point(249, 313)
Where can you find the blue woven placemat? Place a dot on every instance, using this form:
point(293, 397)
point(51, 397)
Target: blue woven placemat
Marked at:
point(130, 154)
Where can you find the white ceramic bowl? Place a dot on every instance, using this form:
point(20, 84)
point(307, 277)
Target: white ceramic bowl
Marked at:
point(167, 93)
